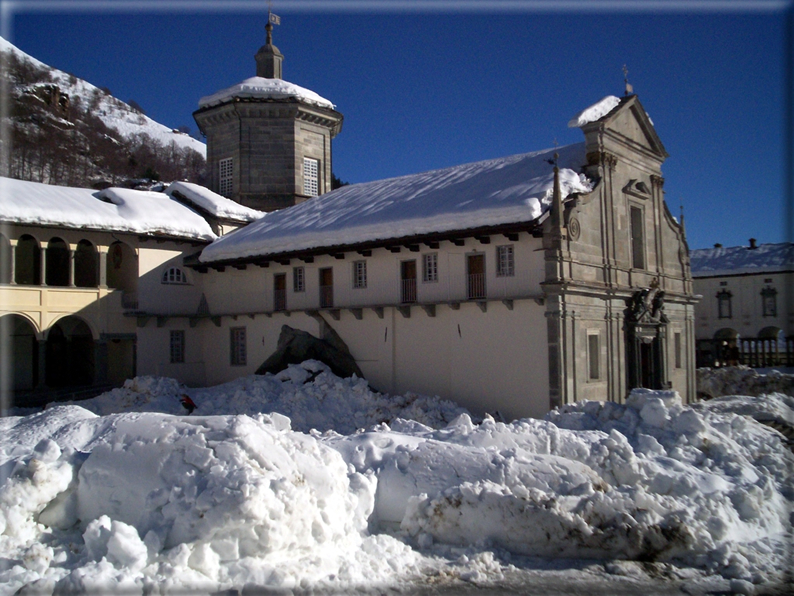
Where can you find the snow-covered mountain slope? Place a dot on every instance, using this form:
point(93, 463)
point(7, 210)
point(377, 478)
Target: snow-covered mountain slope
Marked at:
point(116, 114)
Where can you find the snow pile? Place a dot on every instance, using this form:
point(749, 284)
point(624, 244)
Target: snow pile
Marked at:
point(200, 503)
point(734, 260)
point(308, 393)
point(117, 209)
point(595, 112)
point(212, 202)
point(264, 88)
point(509, 190)
point(146, 502)
point(742, 380)
point(114, 113)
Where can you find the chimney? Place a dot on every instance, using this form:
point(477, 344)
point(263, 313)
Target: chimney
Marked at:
point(752, 244)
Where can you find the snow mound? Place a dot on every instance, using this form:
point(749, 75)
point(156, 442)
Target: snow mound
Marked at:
point(149, 502)
point(308, 393)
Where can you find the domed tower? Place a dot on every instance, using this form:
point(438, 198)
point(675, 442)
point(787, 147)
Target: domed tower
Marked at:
point(268, 140)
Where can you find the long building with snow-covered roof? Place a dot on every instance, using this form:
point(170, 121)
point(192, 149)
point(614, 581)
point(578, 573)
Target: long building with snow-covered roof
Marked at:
point(745, 315)
point(512, 285)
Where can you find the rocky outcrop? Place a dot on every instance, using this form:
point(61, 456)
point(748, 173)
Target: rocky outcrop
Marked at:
point(296, 346)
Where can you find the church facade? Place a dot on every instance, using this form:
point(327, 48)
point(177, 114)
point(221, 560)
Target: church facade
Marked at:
point(510, 286)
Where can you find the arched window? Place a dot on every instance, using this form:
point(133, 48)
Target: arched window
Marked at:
point(57, 263)
point(85, 265)
point(174, 275)
point(27, 261)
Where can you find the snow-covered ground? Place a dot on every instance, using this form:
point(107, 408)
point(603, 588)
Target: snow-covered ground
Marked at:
point(303, 481)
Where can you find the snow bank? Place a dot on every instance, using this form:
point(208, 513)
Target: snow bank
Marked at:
point(152, 501)
point(742, 380)
point(508, 190)
point(308, 393)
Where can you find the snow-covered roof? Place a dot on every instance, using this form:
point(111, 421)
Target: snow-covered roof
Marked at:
point(508, 190)
point(595, 112)
point(263, 88)
point(737, 260)
point(113, 209)
point(213, 203)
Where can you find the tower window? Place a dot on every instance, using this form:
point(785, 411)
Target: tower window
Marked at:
point(311, 169)
point(226, 177)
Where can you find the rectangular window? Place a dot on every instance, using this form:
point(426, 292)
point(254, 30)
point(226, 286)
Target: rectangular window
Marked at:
point(238, 346)
point(593, 353)
point(326, 287)
point(677, 341)
point(724, 309)
point(360, 274)
point(298, 279)
point(637, 238)
point(311, 177)
point(430, 267)
point(505, 263)
point(177, 347)
point(226, 177)
point(280, 291)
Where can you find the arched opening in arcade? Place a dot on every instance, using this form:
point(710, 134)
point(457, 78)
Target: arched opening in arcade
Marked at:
point(57, 263)
point(70, 358)
point(27, 261)
point(19, 353)
point(86, 265)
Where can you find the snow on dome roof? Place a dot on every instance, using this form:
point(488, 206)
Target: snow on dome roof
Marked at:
point(213, 203)
point(594, 112)
point(515, 189)
point(113, 209)
point(735, 260)
point(262, 88)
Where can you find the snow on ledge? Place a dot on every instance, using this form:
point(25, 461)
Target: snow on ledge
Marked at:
point(263, 88)
point(213, 203)
point(594, 112)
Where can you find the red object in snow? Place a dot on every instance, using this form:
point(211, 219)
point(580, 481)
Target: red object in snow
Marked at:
point(187, 403)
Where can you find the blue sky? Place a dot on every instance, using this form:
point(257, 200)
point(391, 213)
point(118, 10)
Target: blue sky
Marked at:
point(431, 84)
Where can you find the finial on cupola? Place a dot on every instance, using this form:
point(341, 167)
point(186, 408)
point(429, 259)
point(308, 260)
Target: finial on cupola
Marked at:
point(628, 89)
point(268, 58)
